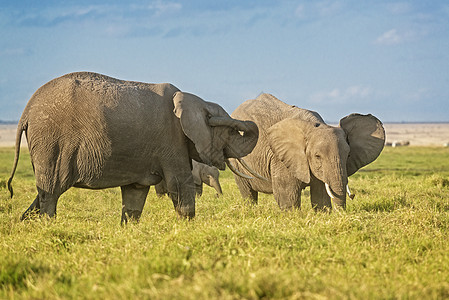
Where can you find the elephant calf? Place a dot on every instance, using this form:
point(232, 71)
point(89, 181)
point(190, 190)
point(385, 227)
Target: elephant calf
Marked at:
point(92, 131)
point(201, 173)
point(296, 148)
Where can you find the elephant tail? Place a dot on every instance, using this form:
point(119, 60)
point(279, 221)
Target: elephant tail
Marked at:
point(20, 128)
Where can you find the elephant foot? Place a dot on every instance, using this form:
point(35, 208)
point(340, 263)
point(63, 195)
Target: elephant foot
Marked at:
point(131, 216)
point(322, 209)
point(29, 214)
point(32, 211)
point(186, 213)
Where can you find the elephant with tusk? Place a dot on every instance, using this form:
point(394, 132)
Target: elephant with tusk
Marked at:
point(296, 149)
point(92, 131)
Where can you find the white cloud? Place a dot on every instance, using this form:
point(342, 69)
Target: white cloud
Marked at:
point(319, 9)
point(394, 37)
point(300, 11)
point(390, 37)
point(399, 8)
point(327, 8)
point(357, 91)
point(117, 30)
point(55, 15)
point(349, 94)
point(165, 7)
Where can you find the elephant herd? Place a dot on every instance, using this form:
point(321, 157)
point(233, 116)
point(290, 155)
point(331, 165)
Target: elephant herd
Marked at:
point(92, 131)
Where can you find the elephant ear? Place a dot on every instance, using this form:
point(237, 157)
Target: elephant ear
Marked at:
point(196, 172)
point(192, 113)
point(366, 138)
point(287, 140)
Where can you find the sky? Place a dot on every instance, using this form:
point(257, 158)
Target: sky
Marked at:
point(387, 58)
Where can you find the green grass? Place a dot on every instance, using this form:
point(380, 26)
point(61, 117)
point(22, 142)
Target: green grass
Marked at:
point(392, 242)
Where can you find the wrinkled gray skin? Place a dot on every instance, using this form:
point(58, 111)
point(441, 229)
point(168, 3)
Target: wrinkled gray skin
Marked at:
point(297, 149)
point(201, 173)
point(92, 131)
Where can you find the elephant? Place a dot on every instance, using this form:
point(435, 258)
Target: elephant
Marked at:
point(296, 149)
point(88, 130)
point(201, 173)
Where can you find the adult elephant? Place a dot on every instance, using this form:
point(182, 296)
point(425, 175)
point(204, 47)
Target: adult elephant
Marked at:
point(296, 148)
point(92, 131)
point(201, 173)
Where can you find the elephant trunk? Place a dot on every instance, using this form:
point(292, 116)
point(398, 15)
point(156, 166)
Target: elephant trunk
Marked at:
point(242, 140)
point(337, 195)
point(336, 182)
point(213, 182)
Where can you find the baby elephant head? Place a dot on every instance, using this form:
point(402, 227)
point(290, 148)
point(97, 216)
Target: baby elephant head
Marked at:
point(203, 173)
point(315, 151)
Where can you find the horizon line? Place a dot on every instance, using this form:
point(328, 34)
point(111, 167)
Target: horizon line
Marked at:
point(9, 122)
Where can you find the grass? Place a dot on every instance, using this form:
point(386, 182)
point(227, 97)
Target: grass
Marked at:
point(390, 243)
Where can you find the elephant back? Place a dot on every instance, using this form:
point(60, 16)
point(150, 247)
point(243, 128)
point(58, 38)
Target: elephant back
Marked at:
point(266, 110)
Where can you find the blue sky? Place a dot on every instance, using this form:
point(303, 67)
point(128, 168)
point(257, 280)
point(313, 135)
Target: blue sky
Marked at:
point(388, 58)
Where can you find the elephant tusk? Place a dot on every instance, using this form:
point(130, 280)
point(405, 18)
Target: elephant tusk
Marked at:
point(235, 171)
point(249, 169)
point(329, 192)
point(351, 195)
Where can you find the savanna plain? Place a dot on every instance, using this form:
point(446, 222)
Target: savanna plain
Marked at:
point(391, 243)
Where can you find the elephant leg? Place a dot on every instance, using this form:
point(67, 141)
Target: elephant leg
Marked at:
point(246, 191)
point(161, 189)
point(199, 189)
point(181, 190)
point(286, 188)
point(133, 201)
point(32, 210)
point(44, 204)
point(318, 196)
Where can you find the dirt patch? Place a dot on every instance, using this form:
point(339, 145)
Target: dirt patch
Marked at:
point(418, 134)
